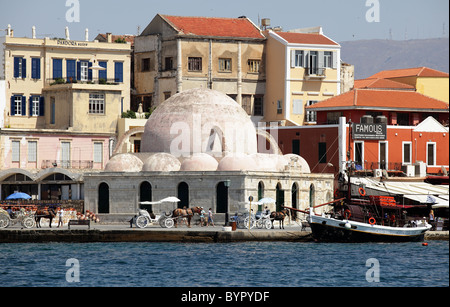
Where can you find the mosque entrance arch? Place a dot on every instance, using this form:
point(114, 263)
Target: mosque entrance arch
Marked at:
point(280, 197)
point(145, 194)
point(221, 198)
point(183, 195)
point(103, 198)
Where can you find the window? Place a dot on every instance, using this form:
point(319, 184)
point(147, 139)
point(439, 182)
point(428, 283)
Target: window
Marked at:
point(84, 71)
point(15, 151)
point(298, 106)
point(96, 104)
point(168, 63)
point(167, 95)
point(194, 64)
point(103, 74)
point(118, 71)
point(98, 152)
point(311, 116)
point(322, 152)
point(298, 59)
point(35, 105)
point(333, 117)
point(313, 63)
point(359, 154)
point(253, 66)
point(35, 68)
point(258, 106)
point(57, 69)
point(247, 104)
point(20, 67)
point(296, 147)
point(279, 107)
point(431, 154)
point(225, 65)
point(52, 111)
point(71, 70)
point(65, 154)
point(328, 59)
point(383, 155)
point(32, 151)
point(18, 105)
point(145, 65)
point(407, 152)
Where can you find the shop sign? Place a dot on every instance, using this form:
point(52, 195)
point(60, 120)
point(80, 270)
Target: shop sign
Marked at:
point(369, 131)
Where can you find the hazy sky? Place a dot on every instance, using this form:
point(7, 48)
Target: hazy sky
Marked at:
point(342, 20)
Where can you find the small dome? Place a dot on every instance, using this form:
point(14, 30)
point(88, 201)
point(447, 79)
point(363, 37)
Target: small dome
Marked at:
point(124, 163)
point(266, 162)
point(199, 162)
point(237, 162)
point(297, 160)
point(161, 162)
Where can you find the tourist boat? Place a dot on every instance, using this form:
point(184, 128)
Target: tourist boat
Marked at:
point(366, 219)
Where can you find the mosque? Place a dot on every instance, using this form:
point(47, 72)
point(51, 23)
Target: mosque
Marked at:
point(202, 147)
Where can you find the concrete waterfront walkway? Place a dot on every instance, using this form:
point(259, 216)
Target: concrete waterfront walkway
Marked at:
point(195, 234)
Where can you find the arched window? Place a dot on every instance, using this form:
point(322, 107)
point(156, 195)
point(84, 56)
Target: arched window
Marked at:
point(103, 198)
point(183, 195)
point(145, 194)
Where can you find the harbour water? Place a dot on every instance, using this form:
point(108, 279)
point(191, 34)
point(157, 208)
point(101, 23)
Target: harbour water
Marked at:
point(249, 264)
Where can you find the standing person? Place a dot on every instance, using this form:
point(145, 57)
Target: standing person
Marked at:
point(60, 217)
point(210, 218)
point(202, 217)
point(431, 220)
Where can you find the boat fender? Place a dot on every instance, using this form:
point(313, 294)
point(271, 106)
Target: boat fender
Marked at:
point(348, 225)
point(362, 192)
point(372, 221)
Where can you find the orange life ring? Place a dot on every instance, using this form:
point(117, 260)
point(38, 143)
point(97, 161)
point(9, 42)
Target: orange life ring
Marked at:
point(362, 192)
point(372, 221)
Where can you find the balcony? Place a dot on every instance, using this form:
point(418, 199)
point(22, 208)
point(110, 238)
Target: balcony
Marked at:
point(68, 164)
point(101, 81)
point(315, 73)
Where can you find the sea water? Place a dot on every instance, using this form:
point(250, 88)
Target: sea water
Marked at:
point(249, 264)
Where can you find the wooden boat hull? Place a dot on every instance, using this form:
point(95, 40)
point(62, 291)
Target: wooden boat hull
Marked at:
point(331, 230)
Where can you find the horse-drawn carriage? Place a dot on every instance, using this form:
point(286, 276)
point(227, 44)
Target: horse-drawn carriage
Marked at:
point(170, 219)
point(25, 218)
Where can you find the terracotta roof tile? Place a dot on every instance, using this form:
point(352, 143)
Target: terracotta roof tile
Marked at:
point(306, 38)
point(410, 72)
point(209, 26)
point(381, 99)
point(382, 84)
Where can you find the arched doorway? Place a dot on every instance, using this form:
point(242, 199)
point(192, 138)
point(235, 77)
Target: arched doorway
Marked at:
point(183, 195)
point(260, 194)
point(280, 197)
point(294, 200)
point(103, 198)
point(145, 194)
point(221, 198)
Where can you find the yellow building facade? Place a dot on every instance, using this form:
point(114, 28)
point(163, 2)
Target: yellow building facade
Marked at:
point(303, 68)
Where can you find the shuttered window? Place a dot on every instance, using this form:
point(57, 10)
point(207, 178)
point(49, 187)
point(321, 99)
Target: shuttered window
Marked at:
point(98, 152)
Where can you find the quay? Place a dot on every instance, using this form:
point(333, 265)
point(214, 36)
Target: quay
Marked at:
point(122, 233)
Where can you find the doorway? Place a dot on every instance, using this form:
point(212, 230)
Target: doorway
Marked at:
point(221, 198)
point(183, 195)
point(103, 198)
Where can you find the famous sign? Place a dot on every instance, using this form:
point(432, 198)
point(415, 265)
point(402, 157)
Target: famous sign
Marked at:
point(369, 131)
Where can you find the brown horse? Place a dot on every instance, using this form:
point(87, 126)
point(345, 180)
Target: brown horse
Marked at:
point(187, 213)
point(46, 214)
point(279, 216)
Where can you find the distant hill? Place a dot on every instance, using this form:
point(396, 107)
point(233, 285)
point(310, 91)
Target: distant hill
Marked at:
point(372, 56)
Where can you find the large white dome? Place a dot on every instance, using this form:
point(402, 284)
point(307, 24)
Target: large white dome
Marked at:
point(199, 121)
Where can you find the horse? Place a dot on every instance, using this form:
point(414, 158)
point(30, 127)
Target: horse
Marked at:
point(279, 216)
point(188, 213)
point(44, 213)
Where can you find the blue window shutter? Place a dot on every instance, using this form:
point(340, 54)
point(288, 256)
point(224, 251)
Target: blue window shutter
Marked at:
point(71, 70)
point(119, 71)
point(90, 71)
point(30, 106)
point(78, 70)
point(13, 106)
point(41, 106)
point(24, 106)
point(16, 67)
point(102, 74)
point(57, 68)
point(24, 68)
point(35, 68)
point(38, 68)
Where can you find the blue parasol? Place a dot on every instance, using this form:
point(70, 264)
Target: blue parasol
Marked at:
point(18, 195)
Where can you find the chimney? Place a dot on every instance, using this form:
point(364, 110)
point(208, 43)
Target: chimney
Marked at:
point(109, 37)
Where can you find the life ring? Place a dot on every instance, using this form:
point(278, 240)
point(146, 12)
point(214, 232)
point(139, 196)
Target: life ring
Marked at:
point(372, 221)
point(362, 192)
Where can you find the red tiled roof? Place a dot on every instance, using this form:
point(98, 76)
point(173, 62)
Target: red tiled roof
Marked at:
point(382, 84)
point(128, 38)
point(306, 38)
point(209, 26)
point(410, 72)
point(382, 100)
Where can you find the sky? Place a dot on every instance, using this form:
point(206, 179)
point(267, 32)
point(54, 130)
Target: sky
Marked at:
point(342, 20)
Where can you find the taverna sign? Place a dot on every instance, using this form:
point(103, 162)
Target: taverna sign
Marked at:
point(365, 131)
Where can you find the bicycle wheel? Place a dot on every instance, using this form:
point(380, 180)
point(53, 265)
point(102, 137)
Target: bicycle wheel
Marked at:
point(28, 222)
point(141, 221)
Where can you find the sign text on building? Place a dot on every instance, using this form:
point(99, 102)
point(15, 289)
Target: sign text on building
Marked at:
point(72, 43)
point(369, 131)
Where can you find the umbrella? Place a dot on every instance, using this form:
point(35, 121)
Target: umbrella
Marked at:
point(170, 200)
point(267, 200)
point(18, 195)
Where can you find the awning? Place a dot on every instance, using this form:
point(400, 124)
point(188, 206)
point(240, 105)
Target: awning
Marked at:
point(416, 191)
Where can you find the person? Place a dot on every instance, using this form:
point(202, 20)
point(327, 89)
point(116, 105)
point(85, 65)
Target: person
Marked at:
point(60, 217)
point(210, 218)
point(266, 211)
point(202, 217)
point(431, 219)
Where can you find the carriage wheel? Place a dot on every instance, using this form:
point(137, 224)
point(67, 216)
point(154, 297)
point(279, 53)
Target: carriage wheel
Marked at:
point(268, 224)
point(4, 221)
point(252, 222)
point(169, 223)
point(28, 222)
point(141, 221)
